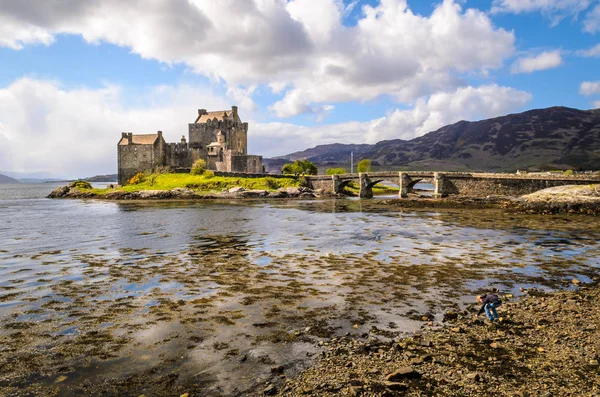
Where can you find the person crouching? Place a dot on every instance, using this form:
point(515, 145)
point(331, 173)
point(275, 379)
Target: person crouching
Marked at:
point(489, 303)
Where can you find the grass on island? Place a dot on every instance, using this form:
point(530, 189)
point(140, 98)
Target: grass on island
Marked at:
point(204, 183)
point(378, 189)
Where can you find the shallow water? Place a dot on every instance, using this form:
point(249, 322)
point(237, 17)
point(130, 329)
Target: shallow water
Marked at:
point(219, 292)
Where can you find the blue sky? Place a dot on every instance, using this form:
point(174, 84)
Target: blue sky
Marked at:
point(303, 72)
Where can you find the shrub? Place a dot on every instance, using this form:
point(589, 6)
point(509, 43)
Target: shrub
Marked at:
point(80, 184)
point(136, 179)
point(363, 166)
point(568, 172)
point(302, 181)
point(335, 171)
point(208, 174)
point(198, 167)
point(272, 183)
point(151, 178)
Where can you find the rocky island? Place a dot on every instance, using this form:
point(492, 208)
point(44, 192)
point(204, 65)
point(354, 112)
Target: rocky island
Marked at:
point(580, 199)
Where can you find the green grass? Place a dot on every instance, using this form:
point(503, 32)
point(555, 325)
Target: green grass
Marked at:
point(378, 190)
point(205, 183)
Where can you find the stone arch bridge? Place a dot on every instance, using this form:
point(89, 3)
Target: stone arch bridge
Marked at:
point(450, 183)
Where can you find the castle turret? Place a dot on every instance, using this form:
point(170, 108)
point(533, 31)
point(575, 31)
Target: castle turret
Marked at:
point(183, 141)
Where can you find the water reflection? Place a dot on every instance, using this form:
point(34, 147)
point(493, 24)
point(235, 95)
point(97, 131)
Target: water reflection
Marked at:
point(225, 290)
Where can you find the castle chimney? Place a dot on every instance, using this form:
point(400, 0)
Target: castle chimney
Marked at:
point(234, 111)
point(183, 141)
point(130, 138)
point(159, 134)
point(202, 112)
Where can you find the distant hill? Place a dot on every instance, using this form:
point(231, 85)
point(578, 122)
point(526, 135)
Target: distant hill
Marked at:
point(323, 155)
point(102, 178)
point(542, 139)
point(7, 179)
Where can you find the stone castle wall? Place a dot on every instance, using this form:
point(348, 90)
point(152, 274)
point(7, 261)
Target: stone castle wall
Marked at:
point(137, 158)
point(250, 164)
point(179, 155)
point(134, 158)
point(236, 135)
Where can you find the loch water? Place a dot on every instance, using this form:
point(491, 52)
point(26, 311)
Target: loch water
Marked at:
point(210, 295)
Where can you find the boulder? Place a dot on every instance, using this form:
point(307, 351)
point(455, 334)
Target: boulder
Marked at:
point(402, 374)
point(59, 192)
point(253, 193)
point(293, 191)
point(155, 194)
point(182, 192)
point(117, 195)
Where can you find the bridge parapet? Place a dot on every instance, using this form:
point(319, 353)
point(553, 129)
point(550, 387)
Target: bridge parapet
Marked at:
point(451, 183)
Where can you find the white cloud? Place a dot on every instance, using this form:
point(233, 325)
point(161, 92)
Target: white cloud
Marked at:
point(74, 132)
point(466, 103)
point(556, 10)
point(546, 6)
point(589, 88)
point(592, 52)
point(591, 23)
point(596, 104)
point(297, 47)
point(242, 97)
point(543, 61)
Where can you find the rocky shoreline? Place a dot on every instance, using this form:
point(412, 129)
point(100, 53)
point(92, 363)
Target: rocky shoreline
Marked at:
point(547, 344)
point(557, 200)
point(73, 191)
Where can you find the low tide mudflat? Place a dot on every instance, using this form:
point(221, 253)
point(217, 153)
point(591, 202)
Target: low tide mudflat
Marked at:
point(104, 298)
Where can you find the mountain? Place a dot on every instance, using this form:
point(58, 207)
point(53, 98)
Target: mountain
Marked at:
point(322, 155)
point(102, 178)
point(7, 179)
point(328, 153)
point(542, 139)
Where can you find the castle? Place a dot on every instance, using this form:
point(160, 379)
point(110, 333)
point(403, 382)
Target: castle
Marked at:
point(220, 138)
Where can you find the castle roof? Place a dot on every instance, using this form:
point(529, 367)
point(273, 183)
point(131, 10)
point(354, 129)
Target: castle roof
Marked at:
point(140, 139)
point(219, 115)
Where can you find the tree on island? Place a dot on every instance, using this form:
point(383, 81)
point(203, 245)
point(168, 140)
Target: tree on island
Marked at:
point(335, 171)
point(300, 167)
point(363, 166)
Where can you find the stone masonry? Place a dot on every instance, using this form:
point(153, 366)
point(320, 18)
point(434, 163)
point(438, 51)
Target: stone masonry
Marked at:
point(450, 183)
point(220, 138)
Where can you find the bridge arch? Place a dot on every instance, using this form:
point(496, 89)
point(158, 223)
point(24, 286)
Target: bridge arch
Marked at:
point(343, 184)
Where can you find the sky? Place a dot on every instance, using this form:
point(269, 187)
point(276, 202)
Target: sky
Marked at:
point(74, 74)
